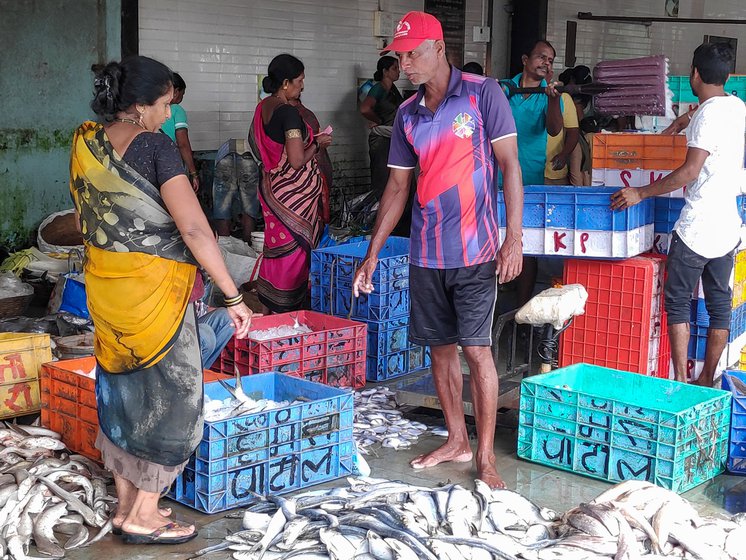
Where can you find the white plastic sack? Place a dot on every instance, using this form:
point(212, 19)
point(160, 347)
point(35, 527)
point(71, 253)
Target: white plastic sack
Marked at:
point(554, 306)
point(240, 259)
point(11, 286)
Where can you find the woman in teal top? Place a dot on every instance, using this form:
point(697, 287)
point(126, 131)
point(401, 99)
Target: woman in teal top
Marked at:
point(380, 107)
point(177, 128)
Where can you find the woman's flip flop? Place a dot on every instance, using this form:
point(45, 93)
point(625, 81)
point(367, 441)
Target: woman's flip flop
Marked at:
point(156, 538)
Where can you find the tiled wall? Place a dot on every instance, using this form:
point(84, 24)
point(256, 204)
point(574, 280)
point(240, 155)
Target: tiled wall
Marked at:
point(598, 40)
point(222, 49)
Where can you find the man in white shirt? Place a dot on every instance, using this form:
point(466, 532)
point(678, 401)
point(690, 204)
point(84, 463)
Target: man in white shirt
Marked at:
point(708, 231)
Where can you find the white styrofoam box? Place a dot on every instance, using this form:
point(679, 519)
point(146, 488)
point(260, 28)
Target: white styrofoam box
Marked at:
point(600, 244)
point(631, 178)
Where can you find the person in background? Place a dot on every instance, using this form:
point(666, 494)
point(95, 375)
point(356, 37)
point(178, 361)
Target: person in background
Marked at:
point(536, 116)
point(456, 259)
point(144, 235)
point(176, 128)
point(379, 108)
point(580, 163)
point(237, 175)
point(560, 146)
point(292, 189)
point(473, 68)
point(708, 230)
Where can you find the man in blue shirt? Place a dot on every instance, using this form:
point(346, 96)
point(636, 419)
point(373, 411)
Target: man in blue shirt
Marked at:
point(535, 115)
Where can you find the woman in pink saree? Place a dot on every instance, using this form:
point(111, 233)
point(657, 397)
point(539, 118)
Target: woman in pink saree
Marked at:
point(292, 187)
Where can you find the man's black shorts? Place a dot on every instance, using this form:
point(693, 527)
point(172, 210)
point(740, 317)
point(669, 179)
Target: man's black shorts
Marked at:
point(453, 305)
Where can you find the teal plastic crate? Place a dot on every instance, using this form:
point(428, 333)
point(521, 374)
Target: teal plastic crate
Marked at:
point(615, 425)
point(270, 452)
point(682, 91)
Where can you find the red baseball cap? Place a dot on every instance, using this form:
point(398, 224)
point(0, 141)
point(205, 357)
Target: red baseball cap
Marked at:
point(412, 30)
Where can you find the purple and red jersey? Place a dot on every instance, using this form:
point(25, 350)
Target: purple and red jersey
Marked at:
point(454, 215)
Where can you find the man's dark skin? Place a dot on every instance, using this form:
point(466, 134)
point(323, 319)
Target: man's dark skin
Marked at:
point(427, 65)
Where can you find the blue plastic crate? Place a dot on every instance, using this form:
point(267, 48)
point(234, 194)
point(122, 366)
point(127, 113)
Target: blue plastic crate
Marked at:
point(666, 212)
point(700, 322)
point(332, 274)
point(395, 364)
point(741, 201)
point(577, 208)
point(615, 425)
point(737, 445)
point(275, 451)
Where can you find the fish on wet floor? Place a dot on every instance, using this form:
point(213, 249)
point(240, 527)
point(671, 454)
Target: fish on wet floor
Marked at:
point(387, 520)
point(46, 493)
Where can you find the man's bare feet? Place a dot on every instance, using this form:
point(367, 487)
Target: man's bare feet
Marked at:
point(453, 452)
point(703, 382)
point(490, 477)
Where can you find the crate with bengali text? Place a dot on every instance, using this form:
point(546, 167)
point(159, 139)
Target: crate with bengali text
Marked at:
point(579, 221)
point(307, 441)
point(68, 402)
point(21, 357)
point(332, 353)
point(615, 425)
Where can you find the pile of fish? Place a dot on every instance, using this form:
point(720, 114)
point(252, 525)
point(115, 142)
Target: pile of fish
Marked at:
point(57, 500)
point(378, 420)
point(216, 409)
point(384, 520)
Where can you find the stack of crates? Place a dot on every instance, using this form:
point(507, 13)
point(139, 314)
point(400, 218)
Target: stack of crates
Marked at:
point(624, 324)
point(579, 221)
point(700, 322)
point(385, 310)
point(615, 426)
point(332, 353)
point(627, 159)
point(684, 99)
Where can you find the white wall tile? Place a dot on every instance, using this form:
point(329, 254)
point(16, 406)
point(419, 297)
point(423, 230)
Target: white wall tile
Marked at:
point(222, 49)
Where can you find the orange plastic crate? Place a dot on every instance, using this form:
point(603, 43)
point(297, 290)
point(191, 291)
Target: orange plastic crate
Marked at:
point(636, 150)
point(68, 403)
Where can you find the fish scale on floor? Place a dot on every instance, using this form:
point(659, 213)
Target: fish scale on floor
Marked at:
point(385, 520)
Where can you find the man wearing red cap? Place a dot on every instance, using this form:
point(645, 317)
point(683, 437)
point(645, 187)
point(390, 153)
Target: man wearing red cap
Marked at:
point(456, 127)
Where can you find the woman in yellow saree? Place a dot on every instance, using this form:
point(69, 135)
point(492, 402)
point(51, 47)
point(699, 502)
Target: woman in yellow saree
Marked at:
point(144, 234)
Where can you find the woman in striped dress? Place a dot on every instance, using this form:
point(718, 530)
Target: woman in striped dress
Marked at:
point(292, 187)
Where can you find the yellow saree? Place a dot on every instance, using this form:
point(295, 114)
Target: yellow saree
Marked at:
point(139, 275)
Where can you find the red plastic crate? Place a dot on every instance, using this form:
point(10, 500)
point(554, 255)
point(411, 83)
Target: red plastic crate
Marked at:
point(333, 353)
point(68, 403)
point(619, 323)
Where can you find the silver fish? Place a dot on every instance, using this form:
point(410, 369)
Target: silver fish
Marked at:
point(43, 530)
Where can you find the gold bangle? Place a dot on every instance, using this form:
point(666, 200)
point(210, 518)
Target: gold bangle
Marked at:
point(233, 300)
point(235, 303)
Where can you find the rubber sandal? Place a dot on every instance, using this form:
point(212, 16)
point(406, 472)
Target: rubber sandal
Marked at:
point(156, 538)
